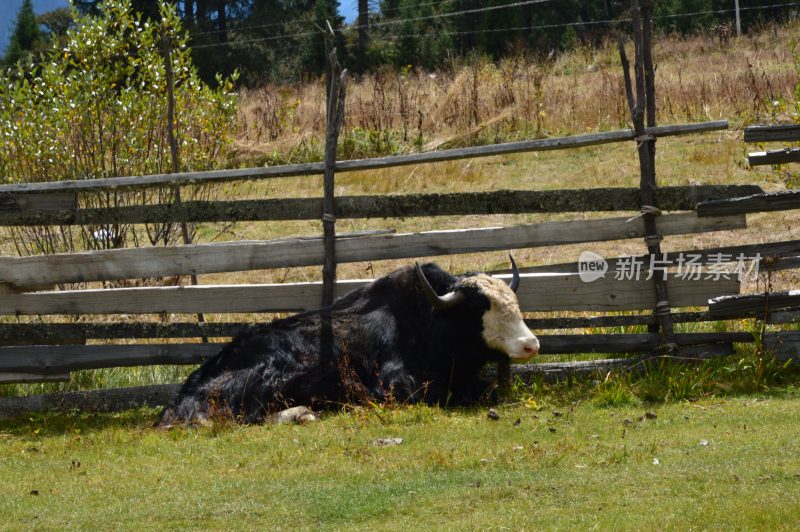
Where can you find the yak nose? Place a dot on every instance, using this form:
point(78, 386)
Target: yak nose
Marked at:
point(531, 346)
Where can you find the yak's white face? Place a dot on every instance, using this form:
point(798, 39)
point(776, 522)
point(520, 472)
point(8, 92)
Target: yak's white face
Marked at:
point(503, 327)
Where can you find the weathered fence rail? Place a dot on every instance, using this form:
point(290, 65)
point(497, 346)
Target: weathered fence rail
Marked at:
point(775, 201)
point(29, 378)
point(109, 400)
point(389, 206)
point(780, 156)
point(754, 304)
point(789, 133)
point(55, 332)
point(538, 292)
point(58, 360)
point(782, 256)
point(117, 264)
point(785, 345)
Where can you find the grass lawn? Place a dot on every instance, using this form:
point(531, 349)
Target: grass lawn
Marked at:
point(715, 463)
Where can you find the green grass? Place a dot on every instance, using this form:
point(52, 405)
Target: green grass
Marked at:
point(564, 465)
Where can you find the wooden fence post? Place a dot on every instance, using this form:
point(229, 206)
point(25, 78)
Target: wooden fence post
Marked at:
point(335, 117)
point(642, 107)
point(173, 146)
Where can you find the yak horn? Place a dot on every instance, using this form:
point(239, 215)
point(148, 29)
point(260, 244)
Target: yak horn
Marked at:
point(444, 302)
point(514, 280)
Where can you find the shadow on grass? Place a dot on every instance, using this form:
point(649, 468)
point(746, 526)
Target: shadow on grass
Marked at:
point(57, 423)
point(734, 376)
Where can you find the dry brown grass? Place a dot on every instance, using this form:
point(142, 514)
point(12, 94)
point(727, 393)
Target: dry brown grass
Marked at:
point(697, 79)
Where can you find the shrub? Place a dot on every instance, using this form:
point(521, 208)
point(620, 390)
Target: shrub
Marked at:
point(96, 107)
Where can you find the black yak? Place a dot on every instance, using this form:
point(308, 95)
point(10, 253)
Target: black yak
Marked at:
point(393, 339)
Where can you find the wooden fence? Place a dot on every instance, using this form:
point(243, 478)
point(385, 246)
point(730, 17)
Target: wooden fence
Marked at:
point(61, 346)
point(50, 350)
point(761, 134)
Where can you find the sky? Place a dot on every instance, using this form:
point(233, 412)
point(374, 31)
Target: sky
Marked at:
point(10, 8)
point(8, 15)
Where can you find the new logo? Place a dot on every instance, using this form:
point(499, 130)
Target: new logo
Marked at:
point(591, 266)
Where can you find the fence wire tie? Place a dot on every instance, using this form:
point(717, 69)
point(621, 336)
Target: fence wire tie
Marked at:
point(652, 240)
point(641, 139)
point(670, 347)
point(329, 218)
point(662, 308)
point(646, 209)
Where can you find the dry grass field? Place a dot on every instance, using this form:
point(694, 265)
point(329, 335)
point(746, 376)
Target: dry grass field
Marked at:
point(698, 78)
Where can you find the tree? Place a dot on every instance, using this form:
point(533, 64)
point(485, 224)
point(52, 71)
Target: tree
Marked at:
point(95, 108)
point(57, 21)
point(406, 48)
point(26, 36)
point(363, 35)
point(314, 58)
point(148, 8)
point(666, 20)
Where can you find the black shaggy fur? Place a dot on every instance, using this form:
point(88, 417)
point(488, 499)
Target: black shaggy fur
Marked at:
point(377, 342)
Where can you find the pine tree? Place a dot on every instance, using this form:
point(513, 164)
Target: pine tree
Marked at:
point(26, 34)
point(315, 58)
point(56, 22)
point(363, 36)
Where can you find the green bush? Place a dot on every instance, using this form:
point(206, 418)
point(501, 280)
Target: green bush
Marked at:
point(96, 107)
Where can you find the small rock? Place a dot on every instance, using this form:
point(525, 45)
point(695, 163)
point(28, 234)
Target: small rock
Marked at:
point(704, 443)
point(656, 461)
point(387, 442)
point(492, 414)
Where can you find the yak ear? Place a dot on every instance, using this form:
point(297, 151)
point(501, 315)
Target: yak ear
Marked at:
point(444, 302)
point(515, 279)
